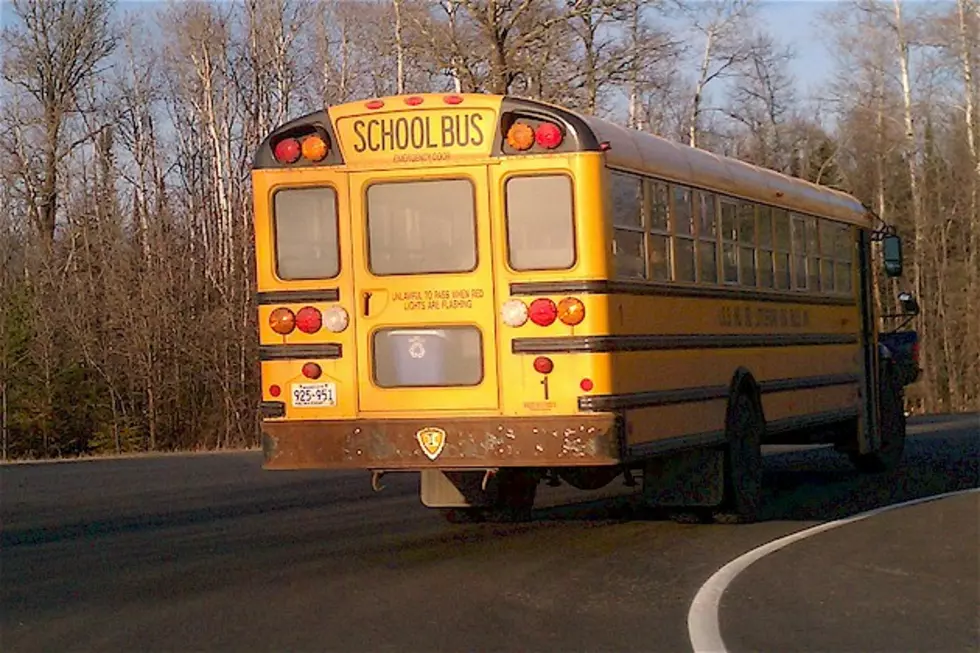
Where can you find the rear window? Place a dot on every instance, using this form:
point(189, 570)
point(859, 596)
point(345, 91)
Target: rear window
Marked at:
point(421, 227)
point(434, 357)
point(305, 224)
point(540, 231)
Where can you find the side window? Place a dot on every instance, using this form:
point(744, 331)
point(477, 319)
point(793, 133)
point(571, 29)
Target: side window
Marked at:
point(629, 241)
point(781, 231)
point(659, 231)
point(765, 254)
point(683, 220)
point(828, 244)
point(746, 243)
point(729, 240)
point(799, 251)
point(844, 253)
point(540, 226)
point(707, 213)
point(304, 222)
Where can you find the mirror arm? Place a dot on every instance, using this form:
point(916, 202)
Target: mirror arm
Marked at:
point(882, 228)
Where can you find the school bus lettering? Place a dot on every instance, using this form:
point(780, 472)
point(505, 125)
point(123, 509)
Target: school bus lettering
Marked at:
point(497, 320)
point(418, 132)
point(763, 316)
point(437, 299)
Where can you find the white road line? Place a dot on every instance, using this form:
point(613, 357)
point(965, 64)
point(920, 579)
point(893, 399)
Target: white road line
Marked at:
point(702, 619)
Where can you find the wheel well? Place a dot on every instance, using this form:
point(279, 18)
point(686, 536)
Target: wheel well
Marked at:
point(744, 382)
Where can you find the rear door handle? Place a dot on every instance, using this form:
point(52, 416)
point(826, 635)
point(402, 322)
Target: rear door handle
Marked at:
point(367, 303)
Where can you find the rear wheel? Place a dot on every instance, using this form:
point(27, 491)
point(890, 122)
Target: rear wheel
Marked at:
point(743, 462)
point(891, 427)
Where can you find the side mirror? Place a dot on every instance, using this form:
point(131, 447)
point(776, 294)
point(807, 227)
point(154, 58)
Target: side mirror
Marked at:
point(892, 245)
point(909, 305)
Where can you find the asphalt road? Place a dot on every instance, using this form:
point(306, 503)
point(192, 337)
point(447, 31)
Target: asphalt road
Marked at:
point(208, 552)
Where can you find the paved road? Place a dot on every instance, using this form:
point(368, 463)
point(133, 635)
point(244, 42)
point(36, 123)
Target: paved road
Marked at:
point(210, 553)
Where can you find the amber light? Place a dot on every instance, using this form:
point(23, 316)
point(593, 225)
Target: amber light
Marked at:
point(314, 148)
point(312, 371)
point(543, 365)
point(520, 136)
point(542, 311)
point(282, 321)
point(571, 311)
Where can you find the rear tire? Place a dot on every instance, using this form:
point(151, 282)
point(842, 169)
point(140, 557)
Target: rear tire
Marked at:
point(743, 462)
point(891, 427)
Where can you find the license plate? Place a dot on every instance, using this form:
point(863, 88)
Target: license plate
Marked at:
point(314, 394)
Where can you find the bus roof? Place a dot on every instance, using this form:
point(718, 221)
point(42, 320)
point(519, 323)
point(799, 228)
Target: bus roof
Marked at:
point(626, 149)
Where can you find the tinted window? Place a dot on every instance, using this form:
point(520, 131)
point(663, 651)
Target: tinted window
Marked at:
point(305, 224)
point(540, 231)
point(421, 227)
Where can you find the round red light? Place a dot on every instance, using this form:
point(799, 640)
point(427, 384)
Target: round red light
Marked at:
point(548, 135)
point(312, 371)
point(452, 99)
point(413, 101)
point(543, 365)
point(542, 311)
point(287, 150)
point(275, 390)
point(374, 104)
point(309, 320)
point(586, 385)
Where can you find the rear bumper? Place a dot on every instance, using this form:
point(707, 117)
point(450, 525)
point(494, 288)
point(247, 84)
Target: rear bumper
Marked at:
point(449, 443)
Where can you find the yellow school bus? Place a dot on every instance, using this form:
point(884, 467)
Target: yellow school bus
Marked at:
point(497, 292)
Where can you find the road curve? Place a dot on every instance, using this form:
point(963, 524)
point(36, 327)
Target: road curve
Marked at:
point(208, 552)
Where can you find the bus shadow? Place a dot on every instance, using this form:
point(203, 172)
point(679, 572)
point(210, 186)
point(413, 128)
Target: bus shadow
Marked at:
point(818, 484)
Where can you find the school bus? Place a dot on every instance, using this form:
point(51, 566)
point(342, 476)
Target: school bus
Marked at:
point(496, 292)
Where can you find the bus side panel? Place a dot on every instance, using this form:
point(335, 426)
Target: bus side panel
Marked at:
point(526, 392)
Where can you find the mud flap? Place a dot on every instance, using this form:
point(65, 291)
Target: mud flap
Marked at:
point(456, 489)
point(693, 477)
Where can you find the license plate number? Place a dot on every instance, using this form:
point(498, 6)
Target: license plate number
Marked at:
point(314, 394)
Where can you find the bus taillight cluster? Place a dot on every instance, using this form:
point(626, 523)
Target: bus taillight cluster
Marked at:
point(543, 312)
point(308, 320)
point(313, 148)
point(522, 136)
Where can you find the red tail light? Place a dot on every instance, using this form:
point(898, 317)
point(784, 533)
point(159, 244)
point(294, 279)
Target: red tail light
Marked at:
point(312, 371)
point(287, 150)
point(543, 365)
point(309, 320)
point(548, 135)
point(586, 385)
point(542, 311)
point(275, 390)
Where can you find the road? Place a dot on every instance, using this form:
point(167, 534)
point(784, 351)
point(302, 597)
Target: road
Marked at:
point(208, 552)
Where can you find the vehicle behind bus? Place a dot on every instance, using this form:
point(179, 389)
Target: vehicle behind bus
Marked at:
point(495, 292)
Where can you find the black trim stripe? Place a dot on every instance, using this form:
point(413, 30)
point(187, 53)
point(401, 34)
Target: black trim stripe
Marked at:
point(604, 287)
point(607, 344)
point(670, 445)
point(789, 424)
point(603, 403)
point(298, 296)
point(293, 352)
point(272, 409)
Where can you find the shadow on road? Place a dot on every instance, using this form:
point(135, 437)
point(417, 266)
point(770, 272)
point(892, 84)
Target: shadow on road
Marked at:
point(818, 484)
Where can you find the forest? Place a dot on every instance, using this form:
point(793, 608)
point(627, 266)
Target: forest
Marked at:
point(127, 316)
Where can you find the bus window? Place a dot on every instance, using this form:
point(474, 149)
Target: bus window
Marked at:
point(628, 226)
point(540, 232)
point(660, 228)
point(421, 227)
point(707, 237)
point(305, 225)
